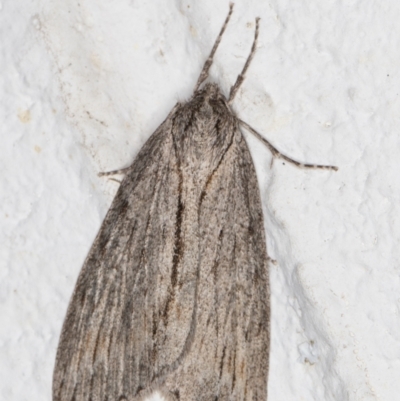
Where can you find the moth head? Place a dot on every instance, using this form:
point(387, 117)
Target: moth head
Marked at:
point(211, 92)
point(210, 100)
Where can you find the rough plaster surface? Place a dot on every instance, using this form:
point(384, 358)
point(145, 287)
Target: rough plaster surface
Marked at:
point(84, 84)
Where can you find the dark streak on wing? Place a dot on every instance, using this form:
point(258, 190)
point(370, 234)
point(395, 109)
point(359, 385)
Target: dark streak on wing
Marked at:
point(178, 242)
point(210, 177)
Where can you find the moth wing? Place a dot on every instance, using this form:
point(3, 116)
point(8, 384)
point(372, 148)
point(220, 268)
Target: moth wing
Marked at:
point(228, 358)
point(115, 333)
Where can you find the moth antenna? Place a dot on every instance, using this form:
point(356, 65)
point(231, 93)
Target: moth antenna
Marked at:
point(275, 152)
point(204, 72)
point(241, 76)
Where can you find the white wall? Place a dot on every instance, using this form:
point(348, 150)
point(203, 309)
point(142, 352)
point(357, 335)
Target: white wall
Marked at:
point(84, 84)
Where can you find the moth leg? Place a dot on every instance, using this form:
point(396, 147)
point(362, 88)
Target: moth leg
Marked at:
point(121, 171)
point(114, 179)
point(241, 76)
point(204, 72)
point(275, 152)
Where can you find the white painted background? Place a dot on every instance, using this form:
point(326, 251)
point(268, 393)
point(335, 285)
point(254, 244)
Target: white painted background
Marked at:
point(85, 83)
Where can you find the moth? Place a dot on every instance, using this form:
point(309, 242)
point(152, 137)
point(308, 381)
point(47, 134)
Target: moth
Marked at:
point(174, 294)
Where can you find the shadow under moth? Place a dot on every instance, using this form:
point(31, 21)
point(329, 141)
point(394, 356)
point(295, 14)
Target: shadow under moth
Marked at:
point(174, 294)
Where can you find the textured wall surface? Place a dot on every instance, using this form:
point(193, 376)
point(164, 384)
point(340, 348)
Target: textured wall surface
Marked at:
point(84, 84)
